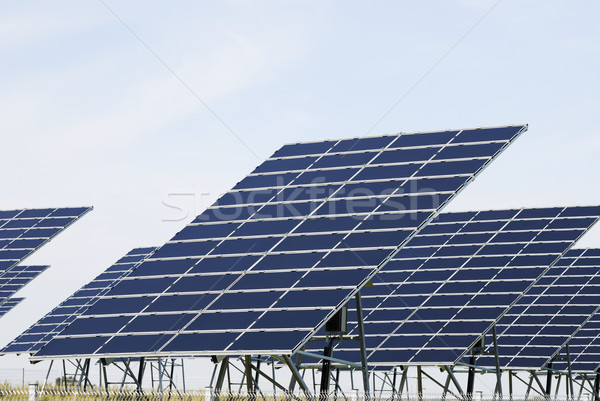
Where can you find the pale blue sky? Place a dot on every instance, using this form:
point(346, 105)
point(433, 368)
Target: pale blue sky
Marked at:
point(90, 116)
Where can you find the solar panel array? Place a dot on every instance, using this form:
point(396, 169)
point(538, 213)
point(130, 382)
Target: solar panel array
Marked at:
point(450, 283)
point(55, 321)
point(24, 231)
point(584, 348)
point(16, 278)
point(584, 341)
point(272, 260)
point(549, 313)
point(7, 305)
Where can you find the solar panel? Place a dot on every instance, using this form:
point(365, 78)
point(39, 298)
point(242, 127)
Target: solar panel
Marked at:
point(300, 234)
point(435, 298)
point(583, 341)
point(16, 278)
point(24, 231)
point(584, 348)
point(548, 314)
point(8, 304)
point(56, 320)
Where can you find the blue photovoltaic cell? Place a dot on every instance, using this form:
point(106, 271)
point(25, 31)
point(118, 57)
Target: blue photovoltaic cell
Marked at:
point(544, 319)
point(387, 185)
point(16, 278)
point(60, 317)
point(578, 325)
point(8, 304)
point(24, 231)
point(442, 300)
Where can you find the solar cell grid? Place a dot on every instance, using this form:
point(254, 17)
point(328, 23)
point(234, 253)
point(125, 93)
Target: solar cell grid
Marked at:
point(550, 312)
point(436, 298)
point(60, 317)
point(8, 304)
point(16, 278)
point(223, 240)
point(24, 231)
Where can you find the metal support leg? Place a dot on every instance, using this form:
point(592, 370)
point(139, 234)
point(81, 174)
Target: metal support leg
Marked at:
point(471, 377)
point(497, 360)
point(296, 374)
point(248, 374)
point(220, 379)
point(597, 387)
point(454, 380)
point(52, 362)
point(363, 349)
point(529, 385)
point(549, 380)
point(419, 383)
point(510, 384)
point(87, 374)
point(64, 366)
point(140, 376)
point(171, 376)
point(403, 380)
point(257, 375)
point(103, 363)
point(293, 379)
point(570, 382)
point(182, 375)
point(326, 371)
point(394, 384)
point(446, 387)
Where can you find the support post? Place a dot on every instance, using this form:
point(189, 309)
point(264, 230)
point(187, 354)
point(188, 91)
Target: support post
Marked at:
point(510, 384)
point(326, 371)
point(446, 387)
point(597, 386)
point(471, 377)
point(454, 380)
point(87, 374)
point(103, 363)
point(248, 374)
point(403, 380)
point(293, 379)
point(419, 382)
point(497, 360)
point(50, 368)
point(296, 375)
point(363, 348)
point(529, 386)
point(220, 378)
point(182, 375)
point(140, 376)
point(548, 390)
point(64, 366)
point(570, 378)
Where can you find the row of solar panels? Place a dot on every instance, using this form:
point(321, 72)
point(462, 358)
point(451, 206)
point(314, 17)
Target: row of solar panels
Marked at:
point(22, 232)
point(263, 269)
point(427, 305)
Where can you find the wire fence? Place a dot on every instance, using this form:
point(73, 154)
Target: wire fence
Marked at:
point(33, 393)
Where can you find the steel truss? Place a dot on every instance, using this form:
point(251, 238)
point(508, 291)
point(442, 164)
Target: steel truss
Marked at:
point(75, 374)
point(256, 375)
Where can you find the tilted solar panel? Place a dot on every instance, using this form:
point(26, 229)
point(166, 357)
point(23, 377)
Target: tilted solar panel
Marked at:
point(549, 313)
point(16, 278)
point(584, 348)
point(56, 320)
point(583, 342)
point(275, 257)
point(24, 231)
point(8, 304)
point(446, 288)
